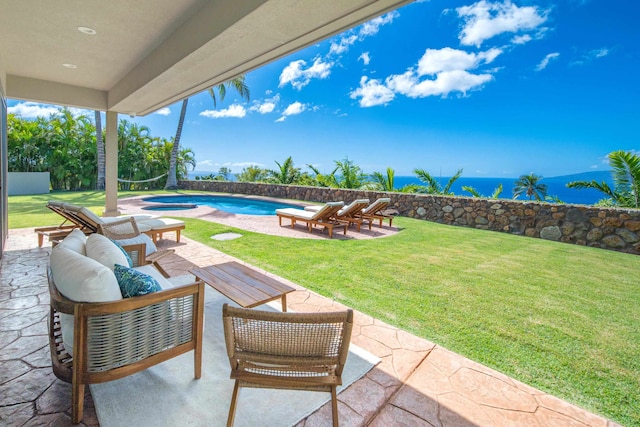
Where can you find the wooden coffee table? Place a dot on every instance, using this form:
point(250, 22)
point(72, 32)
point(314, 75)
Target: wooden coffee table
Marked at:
point(245, 286)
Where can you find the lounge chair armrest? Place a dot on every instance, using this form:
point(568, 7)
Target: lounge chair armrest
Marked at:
point(159, 254)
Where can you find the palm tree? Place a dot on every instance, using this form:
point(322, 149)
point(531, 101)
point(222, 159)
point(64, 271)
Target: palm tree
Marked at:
point(286, 172)
point(252, 173)
point(475, 193)
point(321, 180)
point(351, 175)
point(625, 169)
point(382, 182)
point(433, 186)
point(243, 90)
point(530, 185)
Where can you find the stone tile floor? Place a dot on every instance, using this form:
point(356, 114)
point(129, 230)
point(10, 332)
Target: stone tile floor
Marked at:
point(417, 382)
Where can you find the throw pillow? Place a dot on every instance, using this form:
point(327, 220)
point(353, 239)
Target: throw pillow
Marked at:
point(126, 254)
point(75, 241)
point(134, 283)
point(103, 250)
point(82, 279)
point(150, 247)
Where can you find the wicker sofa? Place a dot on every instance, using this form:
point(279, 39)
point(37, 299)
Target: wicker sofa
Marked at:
point(96, 335)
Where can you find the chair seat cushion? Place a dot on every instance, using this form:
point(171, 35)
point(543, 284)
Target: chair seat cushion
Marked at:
point(150, 247)
point(161, 223)
point(296, 213)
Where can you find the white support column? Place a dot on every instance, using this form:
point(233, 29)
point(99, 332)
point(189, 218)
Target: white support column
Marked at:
point(111, 159)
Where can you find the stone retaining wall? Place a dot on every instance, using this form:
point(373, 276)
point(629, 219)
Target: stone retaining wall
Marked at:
point(614, 229)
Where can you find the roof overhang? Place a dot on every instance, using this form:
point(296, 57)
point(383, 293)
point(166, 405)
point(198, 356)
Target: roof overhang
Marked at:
point(148, 54)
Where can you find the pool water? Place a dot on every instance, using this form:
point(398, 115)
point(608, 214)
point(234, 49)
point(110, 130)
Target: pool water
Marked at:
point(234, 205)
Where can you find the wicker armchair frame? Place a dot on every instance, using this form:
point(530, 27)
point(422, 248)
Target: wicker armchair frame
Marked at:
point(128, 229)
point(299, 351)
point(150, 329)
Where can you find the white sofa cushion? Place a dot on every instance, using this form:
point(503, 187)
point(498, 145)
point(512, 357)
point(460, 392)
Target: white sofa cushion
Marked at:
point(166, 283)
point(103, 250)
point(75, 241)
point(83, 279)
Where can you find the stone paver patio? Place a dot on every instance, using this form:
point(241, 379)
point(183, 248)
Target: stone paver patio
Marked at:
point(417, 382)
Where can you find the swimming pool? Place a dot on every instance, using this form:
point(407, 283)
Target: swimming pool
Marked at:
point(234, 205)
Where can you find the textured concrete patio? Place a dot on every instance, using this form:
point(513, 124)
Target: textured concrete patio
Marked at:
point(417, 382)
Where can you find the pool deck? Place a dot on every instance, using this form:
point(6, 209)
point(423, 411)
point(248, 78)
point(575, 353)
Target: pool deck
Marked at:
point(264, 224)
point(417, 383)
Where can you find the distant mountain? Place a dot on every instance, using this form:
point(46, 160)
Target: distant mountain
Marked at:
point(583, 176)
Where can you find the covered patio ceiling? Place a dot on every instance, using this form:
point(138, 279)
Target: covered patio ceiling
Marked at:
point(148, 54)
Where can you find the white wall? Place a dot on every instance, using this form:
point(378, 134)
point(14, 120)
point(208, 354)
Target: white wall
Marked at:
point(28, 183)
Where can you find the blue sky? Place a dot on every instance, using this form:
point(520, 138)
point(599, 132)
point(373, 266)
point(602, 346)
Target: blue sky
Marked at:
point(497, 88)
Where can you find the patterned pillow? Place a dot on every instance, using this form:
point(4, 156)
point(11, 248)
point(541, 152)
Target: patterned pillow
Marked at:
point(134, 283)
point(126, 254)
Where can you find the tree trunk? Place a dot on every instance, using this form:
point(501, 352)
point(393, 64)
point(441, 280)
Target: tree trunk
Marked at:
point(172, 175)
point(100, 150)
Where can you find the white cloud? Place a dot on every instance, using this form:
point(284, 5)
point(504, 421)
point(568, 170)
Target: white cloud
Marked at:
point(242, 165)
point(522, 39)
point(372, 27)
point(599, 53)
point(32, 110)
point(299, 77)
point(205, 163)
point(367, 29)
point(484, 20)
point(372, 93)
point(235, 110)
point(446, 71)
point(294, 109)
point(365, 58)
point(163, 111)
point(447, 59)
point(591, 56)
point(236, 167)
point(444, 83)
point(545, 61)
point(342, 45)
point(267, 106)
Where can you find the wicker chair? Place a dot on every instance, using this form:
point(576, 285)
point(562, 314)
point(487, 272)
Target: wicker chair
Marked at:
point(128, 229)
point(299, 351)
point(116, 339)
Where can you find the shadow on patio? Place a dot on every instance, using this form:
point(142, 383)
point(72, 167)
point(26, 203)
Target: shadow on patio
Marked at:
point(416, 383)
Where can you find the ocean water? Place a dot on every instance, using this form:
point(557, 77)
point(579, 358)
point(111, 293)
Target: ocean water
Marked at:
point(557, 186)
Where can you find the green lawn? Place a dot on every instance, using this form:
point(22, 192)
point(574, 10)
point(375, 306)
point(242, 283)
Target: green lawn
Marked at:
point(559, 317)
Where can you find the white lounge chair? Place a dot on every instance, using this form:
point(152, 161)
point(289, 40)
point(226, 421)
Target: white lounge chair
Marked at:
point(323, 217)
point(349, 213)
point(375, 211)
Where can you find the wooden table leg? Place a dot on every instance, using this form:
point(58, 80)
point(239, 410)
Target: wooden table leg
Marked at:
point(284, 303)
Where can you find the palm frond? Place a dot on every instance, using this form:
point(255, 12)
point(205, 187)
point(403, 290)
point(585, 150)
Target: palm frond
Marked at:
point(473, 191)
point(454, 178)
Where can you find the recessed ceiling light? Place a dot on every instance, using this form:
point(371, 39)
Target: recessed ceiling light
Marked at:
point(87, 30)
point(72, 66)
